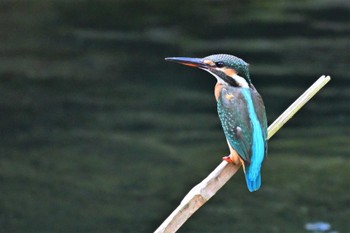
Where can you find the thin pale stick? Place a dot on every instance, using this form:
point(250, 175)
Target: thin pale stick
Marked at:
point(297, 105)
point(202, 192)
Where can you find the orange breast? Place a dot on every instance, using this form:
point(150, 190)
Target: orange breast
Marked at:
point(217, 90)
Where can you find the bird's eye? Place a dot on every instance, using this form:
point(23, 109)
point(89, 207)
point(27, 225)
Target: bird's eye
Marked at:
point(219, 64)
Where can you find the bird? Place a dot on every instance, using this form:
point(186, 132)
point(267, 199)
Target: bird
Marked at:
point(241, 111)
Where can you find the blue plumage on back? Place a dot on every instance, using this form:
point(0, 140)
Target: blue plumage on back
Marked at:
point(253, 176)
point(244, 123)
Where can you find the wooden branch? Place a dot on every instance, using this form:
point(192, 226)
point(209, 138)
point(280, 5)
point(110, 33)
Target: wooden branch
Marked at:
point(202, 192)
point(297, 105)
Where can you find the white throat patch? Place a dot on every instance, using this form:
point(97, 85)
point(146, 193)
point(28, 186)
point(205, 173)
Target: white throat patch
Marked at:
point(217, 77)
point(241, 81)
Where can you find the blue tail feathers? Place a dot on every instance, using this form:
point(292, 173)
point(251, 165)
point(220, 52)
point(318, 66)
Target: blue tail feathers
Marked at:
point(253, 176)
point(253, 184)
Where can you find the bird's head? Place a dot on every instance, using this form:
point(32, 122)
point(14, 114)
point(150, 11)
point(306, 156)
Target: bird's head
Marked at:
point(227, 69)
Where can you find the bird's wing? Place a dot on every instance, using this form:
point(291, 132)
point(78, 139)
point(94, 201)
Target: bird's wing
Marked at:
point(234, 117)
point(261, 113)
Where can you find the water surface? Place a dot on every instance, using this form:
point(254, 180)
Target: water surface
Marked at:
point(100, 134)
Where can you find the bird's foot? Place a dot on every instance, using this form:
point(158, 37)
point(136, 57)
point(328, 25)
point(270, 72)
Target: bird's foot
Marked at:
point(228, 159)
point(232, 159)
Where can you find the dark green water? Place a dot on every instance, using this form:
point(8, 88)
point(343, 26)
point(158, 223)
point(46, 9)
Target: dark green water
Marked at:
point(100, 134)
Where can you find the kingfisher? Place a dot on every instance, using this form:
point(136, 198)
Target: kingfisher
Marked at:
point(241, 111)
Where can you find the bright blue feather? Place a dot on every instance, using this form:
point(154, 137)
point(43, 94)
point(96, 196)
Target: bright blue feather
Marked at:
point(253, 177)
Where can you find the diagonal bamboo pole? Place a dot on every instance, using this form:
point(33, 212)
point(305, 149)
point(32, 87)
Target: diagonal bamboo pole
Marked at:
point(202, 192)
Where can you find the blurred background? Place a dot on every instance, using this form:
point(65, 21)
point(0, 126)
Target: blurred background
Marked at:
point(100, 134)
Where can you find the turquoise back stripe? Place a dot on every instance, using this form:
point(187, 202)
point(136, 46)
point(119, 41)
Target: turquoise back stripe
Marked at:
point(258, 149)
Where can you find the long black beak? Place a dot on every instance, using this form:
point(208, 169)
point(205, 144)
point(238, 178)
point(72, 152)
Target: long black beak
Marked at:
point(188, 61)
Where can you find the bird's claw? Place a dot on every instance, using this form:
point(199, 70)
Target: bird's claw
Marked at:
point(227, 159)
